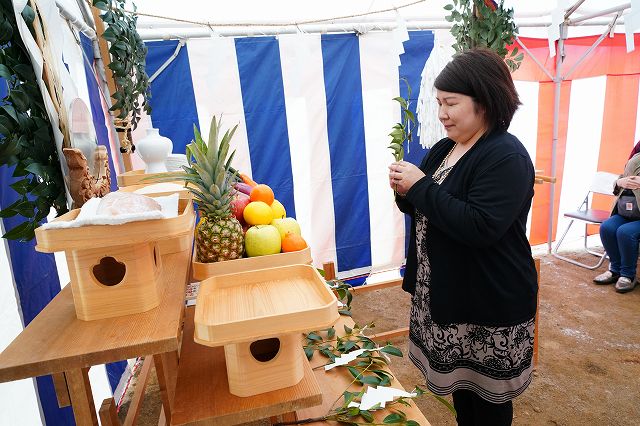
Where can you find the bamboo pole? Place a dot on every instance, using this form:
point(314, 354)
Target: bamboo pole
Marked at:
point(106, 60)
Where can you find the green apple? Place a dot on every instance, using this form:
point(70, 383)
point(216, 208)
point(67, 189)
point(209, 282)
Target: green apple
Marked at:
point(261, 240)
point(285, 225)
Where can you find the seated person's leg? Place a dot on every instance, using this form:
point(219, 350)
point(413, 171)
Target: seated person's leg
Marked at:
point(608, 230)
point(628, 237)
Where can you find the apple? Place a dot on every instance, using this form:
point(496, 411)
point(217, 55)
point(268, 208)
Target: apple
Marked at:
point(239, 202)
point(287, 224)
point(261, 240)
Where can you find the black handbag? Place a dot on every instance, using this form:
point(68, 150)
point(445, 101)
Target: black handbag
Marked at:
point(628, 205)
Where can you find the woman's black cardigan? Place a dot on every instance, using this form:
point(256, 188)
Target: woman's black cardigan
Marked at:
point(482, 271)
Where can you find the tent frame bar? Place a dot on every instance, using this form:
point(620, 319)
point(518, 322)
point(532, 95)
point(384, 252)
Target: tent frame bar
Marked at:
point(604, 12)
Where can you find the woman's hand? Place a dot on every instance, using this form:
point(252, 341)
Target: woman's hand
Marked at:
point(629, 182)
point(403, 175)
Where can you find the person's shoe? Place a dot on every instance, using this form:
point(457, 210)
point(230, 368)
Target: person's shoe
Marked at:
point(606, 278)
point(624, 285)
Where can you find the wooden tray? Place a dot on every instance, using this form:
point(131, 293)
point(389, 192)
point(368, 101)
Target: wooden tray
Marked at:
point(182, 192)
point(202, 271)
point(92, 236)
point(139, 177)
point(254, 305)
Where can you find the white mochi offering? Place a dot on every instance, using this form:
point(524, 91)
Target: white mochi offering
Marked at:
point(119, 203)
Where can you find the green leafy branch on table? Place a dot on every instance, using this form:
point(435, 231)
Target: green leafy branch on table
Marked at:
point(368, 367)
point(355, 416)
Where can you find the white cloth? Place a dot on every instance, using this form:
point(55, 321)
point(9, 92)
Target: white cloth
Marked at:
point(88, 216)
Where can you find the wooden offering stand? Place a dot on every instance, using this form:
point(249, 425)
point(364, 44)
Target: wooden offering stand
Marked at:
point(258, 317)
point(201, 271)
point(115, 269)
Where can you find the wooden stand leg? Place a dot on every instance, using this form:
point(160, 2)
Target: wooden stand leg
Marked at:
point(166, 370)
point(138, 393)
point(81, 396)
point(62, 391)
point(108, 414)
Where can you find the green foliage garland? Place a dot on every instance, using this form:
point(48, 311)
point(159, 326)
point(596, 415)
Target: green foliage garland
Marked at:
point(483, 23)
point(128, 53)
point(26, 140)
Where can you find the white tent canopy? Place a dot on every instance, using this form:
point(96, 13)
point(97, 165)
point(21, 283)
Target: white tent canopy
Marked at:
point(233, 19)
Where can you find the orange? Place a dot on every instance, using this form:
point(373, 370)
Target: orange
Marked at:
point(262, 192)
point(293, 242)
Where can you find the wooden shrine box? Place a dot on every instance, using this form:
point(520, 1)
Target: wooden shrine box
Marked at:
point(115, 269)
point(202, 271)
point(258, 317)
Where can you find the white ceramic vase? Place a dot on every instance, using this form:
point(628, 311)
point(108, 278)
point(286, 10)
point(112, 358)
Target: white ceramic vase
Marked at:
point(154, 150)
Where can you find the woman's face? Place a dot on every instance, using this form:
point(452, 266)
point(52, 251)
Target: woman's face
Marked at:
point(461, 118)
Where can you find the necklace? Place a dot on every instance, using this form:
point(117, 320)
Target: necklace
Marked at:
point(443, 171)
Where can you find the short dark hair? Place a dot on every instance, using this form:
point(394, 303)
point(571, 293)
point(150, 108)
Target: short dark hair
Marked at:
point(483, 75)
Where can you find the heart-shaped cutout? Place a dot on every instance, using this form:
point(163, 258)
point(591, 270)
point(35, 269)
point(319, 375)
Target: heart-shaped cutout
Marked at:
point(109, 271)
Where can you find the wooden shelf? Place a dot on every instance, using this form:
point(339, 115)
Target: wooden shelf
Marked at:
point(202, 391)
point(57, 341)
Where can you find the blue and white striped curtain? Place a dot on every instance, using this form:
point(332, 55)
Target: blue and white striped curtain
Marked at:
point(314, 114)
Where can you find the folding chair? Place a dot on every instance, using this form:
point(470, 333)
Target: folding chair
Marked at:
point(602, 183)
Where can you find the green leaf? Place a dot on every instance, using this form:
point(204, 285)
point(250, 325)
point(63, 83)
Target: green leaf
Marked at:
point(347, 329)
point(5, 72)
point(21, 186)
point(28, 15)
point(448, 7)
point(331, 332)
point(101, 5)
point(366, 415)
point(11, 112)
point(393, 418)
point(354, 372)
point(391, 350)
point(369, 380)
point(308, 352)
point(22, 232)
point(314, 336)
point(20, 100)
point(412, 423)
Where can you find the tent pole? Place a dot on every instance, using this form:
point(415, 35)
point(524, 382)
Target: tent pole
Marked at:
point(556, 118)
point(604, 12)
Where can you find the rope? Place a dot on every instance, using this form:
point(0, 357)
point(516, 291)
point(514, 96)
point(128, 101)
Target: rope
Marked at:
point(210, 25)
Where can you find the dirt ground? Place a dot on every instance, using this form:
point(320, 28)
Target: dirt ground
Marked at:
point(588, 371)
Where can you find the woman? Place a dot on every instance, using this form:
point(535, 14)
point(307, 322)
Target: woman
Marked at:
point(469, 265)
point(620, 234)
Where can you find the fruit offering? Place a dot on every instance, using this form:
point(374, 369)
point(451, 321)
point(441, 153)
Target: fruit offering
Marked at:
point(264, 218)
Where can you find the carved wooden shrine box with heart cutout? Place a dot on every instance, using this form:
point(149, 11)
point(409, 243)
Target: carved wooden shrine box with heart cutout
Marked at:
point(115, 269)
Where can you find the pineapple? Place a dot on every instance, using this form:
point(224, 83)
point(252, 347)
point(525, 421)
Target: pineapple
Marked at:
point(210, 177)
